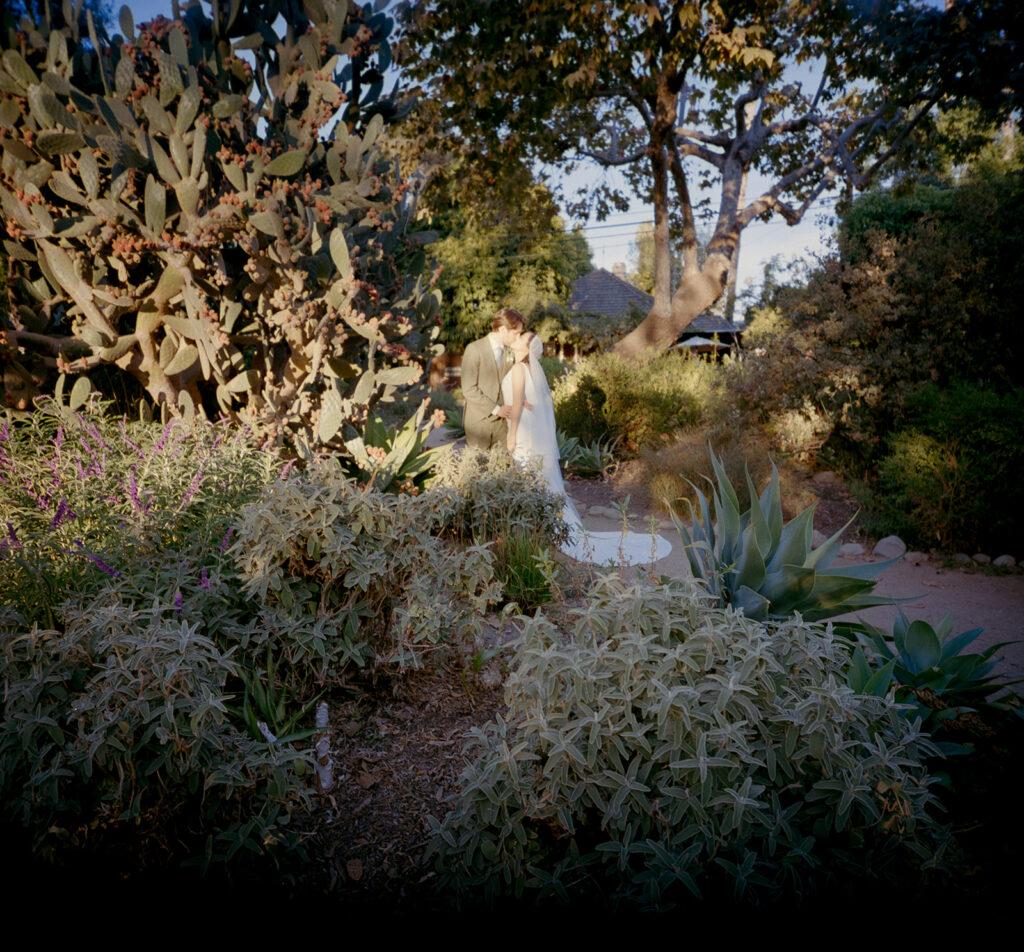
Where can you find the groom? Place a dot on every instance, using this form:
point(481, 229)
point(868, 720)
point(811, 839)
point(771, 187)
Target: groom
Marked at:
point(484, 364)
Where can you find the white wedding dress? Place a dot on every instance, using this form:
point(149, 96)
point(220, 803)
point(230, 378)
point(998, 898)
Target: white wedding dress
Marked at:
point(537, 445)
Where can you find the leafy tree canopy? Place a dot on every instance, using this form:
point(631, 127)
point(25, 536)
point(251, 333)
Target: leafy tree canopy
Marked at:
point(687, 97)
point(498, 247)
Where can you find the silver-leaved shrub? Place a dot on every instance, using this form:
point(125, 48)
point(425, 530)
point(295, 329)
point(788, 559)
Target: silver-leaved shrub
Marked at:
point(662, 747)
point(479, 496)
point(115, 724)
point(359, 574)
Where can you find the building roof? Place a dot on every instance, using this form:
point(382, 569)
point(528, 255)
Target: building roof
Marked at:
point(601, 292)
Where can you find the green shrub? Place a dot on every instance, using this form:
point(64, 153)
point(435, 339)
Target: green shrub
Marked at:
point(88, 498)
point(640, 401)
point(673, 471)
point(579, 407)
point(116, 724)
point(954, 477)
point(662, 745)
point(525, 568)
point(911, 300)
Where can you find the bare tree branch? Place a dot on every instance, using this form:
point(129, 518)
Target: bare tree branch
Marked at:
point(720, 139)
point(682, 188)
point(606, 158)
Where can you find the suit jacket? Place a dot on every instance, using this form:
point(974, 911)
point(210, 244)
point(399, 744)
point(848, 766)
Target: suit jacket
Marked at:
point(481, 388)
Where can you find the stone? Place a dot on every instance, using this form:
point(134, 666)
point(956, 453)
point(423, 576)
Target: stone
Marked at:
point(891, 547)
point(981, 559)
point(825, 477)
point(962, 558)
point(818, 538)
point(916, 558)
point(851, 548)
point(1004, 562)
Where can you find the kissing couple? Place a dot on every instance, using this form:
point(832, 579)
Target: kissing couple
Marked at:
point(508, 401)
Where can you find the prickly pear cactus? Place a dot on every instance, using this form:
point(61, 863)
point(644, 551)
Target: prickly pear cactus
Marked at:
point(201, 202)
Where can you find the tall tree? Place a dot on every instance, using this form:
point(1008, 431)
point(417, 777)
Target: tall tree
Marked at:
point(498, 247)
point(687, 97)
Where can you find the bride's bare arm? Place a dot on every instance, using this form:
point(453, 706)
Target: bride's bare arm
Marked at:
point(518, 373)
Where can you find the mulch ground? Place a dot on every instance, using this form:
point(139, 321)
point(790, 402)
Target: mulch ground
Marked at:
point(397, 763)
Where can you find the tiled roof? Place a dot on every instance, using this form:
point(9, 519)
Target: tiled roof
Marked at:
point(601, 292)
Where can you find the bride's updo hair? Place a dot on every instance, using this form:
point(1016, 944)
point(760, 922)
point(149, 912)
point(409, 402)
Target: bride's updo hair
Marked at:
point(508, 317)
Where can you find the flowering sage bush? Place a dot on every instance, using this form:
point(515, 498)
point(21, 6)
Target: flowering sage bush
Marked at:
point(88, 499)
point(663, 747)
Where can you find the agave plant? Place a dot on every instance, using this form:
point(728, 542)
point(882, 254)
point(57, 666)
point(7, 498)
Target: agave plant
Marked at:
point(930, 669)
point(593, 460)
point(393, 459)
point(754, 562)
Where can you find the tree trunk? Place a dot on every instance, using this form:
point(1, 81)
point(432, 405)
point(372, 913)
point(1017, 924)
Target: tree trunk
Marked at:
point(698, 290)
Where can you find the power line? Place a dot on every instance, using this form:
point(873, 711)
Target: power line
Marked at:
point(585, 229)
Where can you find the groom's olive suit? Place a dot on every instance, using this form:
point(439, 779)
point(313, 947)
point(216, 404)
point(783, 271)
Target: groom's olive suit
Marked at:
point(481, 388)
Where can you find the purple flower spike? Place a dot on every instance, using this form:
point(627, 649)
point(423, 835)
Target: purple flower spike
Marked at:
point(97, 561)
point(121, 425)
point(227, 540)
point(133, 492)
point(13, 536)
point(194, 485)
point(63, 514)
point(92, 430)
point(178, 602)
point(204, 579)
point(162, 442)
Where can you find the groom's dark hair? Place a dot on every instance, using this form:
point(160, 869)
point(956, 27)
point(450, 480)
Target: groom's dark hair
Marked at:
point(508, 317)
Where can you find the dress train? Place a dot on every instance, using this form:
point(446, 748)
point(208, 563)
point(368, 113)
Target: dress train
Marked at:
point(536, 441)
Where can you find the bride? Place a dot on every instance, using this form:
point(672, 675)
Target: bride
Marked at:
point(532, 441)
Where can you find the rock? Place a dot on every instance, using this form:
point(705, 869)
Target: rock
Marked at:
point(605, 512)
point(962, 558)
point(825, 477)
point(1004, 562)
point(851, 548)
point(981, 558)
point(818, 538)
point(891, 547)
point(916, 558)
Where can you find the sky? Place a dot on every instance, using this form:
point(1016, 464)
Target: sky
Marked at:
point(611, 241)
